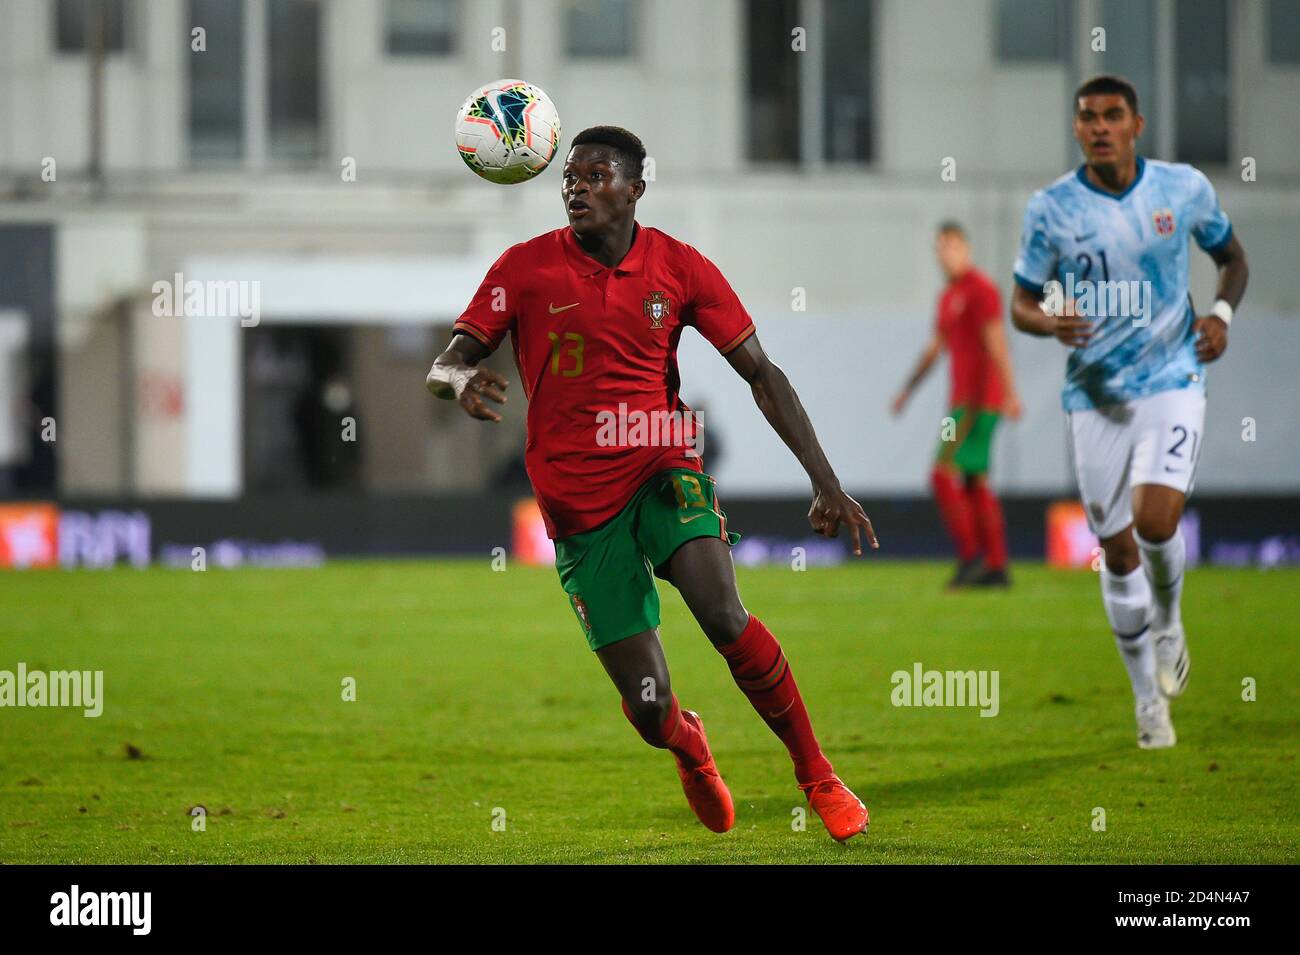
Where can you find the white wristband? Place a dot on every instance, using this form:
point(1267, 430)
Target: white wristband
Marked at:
point(1223, 310)
point(457, 377)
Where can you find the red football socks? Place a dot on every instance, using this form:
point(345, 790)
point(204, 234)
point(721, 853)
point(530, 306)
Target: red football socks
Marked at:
point(675, 735)
point(989, 522)
point(955, 510)
point(763, 675)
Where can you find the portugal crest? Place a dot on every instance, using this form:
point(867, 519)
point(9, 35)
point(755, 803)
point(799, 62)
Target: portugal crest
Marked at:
point(580, 608)
point(657, 308)
point(1164, 222)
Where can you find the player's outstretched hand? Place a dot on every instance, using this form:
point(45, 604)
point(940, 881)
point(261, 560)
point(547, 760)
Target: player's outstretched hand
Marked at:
point(1211, 337)
point(832, 508)
point(486, 383)
point(1072, 330)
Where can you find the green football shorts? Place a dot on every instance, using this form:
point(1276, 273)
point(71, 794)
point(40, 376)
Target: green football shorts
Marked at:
point(608, 572)
point(972, 455)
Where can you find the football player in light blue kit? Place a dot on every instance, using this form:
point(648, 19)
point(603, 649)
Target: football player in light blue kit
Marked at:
point(1103, 267)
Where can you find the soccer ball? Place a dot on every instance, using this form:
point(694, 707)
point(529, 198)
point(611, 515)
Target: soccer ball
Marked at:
point(508, 131)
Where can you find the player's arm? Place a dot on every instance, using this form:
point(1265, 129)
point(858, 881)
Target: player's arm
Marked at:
point(455, 376)
point(994, 337)
point(1031, 314)
point(1036, 262)
point(1212, 330)
point(929, 355)
point(776, 398)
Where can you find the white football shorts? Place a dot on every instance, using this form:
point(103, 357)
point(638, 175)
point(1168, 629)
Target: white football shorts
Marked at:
point(1151, 440)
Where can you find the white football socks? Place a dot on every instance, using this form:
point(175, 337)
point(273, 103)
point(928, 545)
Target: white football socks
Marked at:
point(1164, 563)
point(1127, 599)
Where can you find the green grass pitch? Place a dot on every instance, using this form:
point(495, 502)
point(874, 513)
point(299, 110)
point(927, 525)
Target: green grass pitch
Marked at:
point(478, 699)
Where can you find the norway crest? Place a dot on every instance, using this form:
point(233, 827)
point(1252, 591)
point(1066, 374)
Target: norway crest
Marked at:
point(1164, 222)
point(657, 308)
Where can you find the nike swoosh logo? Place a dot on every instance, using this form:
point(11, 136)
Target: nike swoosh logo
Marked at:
point(1169, 470)
point(1084, 238)
point(494, 101)
point(562, 308)
point(687, 520)
point(781, 712)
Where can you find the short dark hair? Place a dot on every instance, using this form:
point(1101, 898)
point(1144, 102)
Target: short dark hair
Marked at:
point(951, 226)
point(1109, 83)
point(628, 146)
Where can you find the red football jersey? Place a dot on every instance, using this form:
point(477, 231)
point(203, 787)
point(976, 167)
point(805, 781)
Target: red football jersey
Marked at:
point(596, 350)
point(965, 307)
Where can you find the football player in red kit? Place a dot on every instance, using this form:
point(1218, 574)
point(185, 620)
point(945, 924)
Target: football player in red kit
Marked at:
point(969, 328)
point(594, 312)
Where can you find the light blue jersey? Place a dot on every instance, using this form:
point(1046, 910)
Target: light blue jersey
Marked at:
point(1124, 260)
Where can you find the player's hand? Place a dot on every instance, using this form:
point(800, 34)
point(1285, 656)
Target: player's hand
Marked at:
point(899, 403)
point(486, 383)
point(1012, 407)
point(1211, 337)
point(1070, 329)
point(831, 508)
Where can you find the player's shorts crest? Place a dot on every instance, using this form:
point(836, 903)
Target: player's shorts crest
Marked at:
point(1164, 222)
point(608, 572)
point(580, 608)
point(657, 308)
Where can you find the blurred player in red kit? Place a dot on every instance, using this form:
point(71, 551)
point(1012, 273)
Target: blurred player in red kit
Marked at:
point(969, 328)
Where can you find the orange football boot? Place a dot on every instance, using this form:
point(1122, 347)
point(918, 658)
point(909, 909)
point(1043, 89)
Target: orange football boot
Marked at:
point(705, 791)
point(842, 812)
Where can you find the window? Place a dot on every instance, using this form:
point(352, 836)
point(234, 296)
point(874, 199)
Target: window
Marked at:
point(1131, 52)
point(1177, 57)
point(847, 106)
point(1033, 31)
point(217, 81)
point(598, 28)
point(233, 119)
point(421, 27)
point(294, 74)
point(1284, 32)
point(773, 81)
point(1201, 81)
point(807, 102)
point(74, 24)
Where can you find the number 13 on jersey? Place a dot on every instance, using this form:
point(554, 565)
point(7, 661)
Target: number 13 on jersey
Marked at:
point(563, 349)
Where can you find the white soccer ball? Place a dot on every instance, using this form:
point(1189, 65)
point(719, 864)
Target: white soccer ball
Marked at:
point(508, 131)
